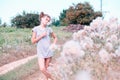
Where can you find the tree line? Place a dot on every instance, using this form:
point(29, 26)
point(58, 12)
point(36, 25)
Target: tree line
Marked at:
point(81, 13)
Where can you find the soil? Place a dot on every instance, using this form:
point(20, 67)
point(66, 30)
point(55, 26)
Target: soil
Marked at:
point(8, 67)
point(15, 62)
point(37, 75)
point(11, 55)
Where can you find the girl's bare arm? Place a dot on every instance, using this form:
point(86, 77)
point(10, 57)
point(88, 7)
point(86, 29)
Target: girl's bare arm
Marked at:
point(54, 37)
point(35, 39)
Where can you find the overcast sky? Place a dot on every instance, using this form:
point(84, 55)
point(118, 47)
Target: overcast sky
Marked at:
point(11, 8)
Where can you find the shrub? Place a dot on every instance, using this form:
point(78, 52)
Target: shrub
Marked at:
point(95, 50)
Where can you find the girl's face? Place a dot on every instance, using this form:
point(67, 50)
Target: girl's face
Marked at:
point(45, 20)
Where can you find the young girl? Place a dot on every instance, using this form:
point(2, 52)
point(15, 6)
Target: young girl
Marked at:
point(41, 35)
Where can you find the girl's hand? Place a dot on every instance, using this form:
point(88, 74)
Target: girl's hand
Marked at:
point(53, 46)
point(44, 34)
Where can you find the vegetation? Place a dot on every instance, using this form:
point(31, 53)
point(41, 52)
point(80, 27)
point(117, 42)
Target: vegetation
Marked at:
point(15, 44)
point(21, 71)
point(62, 17)
point(82, 13)
point(95, 50)
point(0, 21)
point(87, 42)
point(11, 36)
point(16, 39)
point(55, 22)
point(92, 54)
point(26, 20)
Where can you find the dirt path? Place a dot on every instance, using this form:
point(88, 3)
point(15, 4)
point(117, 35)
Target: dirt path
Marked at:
point(35, 76)
point(8, 67)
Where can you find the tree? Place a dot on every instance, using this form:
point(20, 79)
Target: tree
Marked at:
point(62, 17)
point(26, 20)
point(80, 14)
point(55, 22)
point(4, 24)
point(0, 21)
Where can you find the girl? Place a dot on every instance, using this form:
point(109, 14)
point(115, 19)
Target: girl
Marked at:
point(41, 35)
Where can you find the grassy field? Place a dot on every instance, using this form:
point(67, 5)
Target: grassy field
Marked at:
point(20, 72)
point(16, 43)
point(14, 36)
point(10, 37)
point(13, 40)
point(66, 67)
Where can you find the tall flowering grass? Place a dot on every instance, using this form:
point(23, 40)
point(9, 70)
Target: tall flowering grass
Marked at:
point(14, 44)
point(94, 50)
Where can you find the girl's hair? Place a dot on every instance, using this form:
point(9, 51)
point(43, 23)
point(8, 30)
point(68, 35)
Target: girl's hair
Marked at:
point(42, 15)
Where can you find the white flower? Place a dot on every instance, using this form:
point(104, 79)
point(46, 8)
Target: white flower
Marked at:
point(83, 75)
point(92, 35)
point(119, 27)
point(108, 39)
point(114, 37)
point(113, 27)
point(86, 43)
point(88, 28)
point(82, 34)
point(96, 24)
point(117, 52)
point(113, 20)
point(72, 48)
point(104, 56)
point(53, 47)
point(102, 36)
point(105, 24)
point(75, 36)
point(109, 46)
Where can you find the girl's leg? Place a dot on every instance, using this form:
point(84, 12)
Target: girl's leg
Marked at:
point(47, 61)
point(42, 67)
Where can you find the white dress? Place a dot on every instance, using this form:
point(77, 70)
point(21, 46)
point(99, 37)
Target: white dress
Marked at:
point(43, 44)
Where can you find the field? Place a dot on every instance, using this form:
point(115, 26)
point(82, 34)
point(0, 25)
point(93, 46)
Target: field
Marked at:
point(92, 53)
point(15, 44)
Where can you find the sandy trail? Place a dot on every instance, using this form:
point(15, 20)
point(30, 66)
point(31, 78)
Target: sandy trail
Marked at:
point(35, 76)
point(8, 67)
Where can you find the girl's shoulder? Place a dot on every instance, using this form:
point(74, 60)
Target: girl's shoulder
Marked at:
point(35, 28)
point(49, 29)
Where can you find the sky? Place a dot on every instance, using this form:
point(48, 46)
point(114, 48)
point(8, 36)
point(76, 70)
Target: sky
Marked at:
point(10, 8)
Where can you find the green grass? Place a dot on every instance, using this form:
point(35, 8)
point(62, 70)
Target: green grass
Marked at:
point(61, 35)
point(21, 71)
point(10, 36)
point(13, 36)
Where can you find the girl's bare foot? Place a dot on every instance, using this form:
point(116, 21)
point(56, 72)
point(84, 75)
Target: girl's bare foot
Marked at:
point(50, 78)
